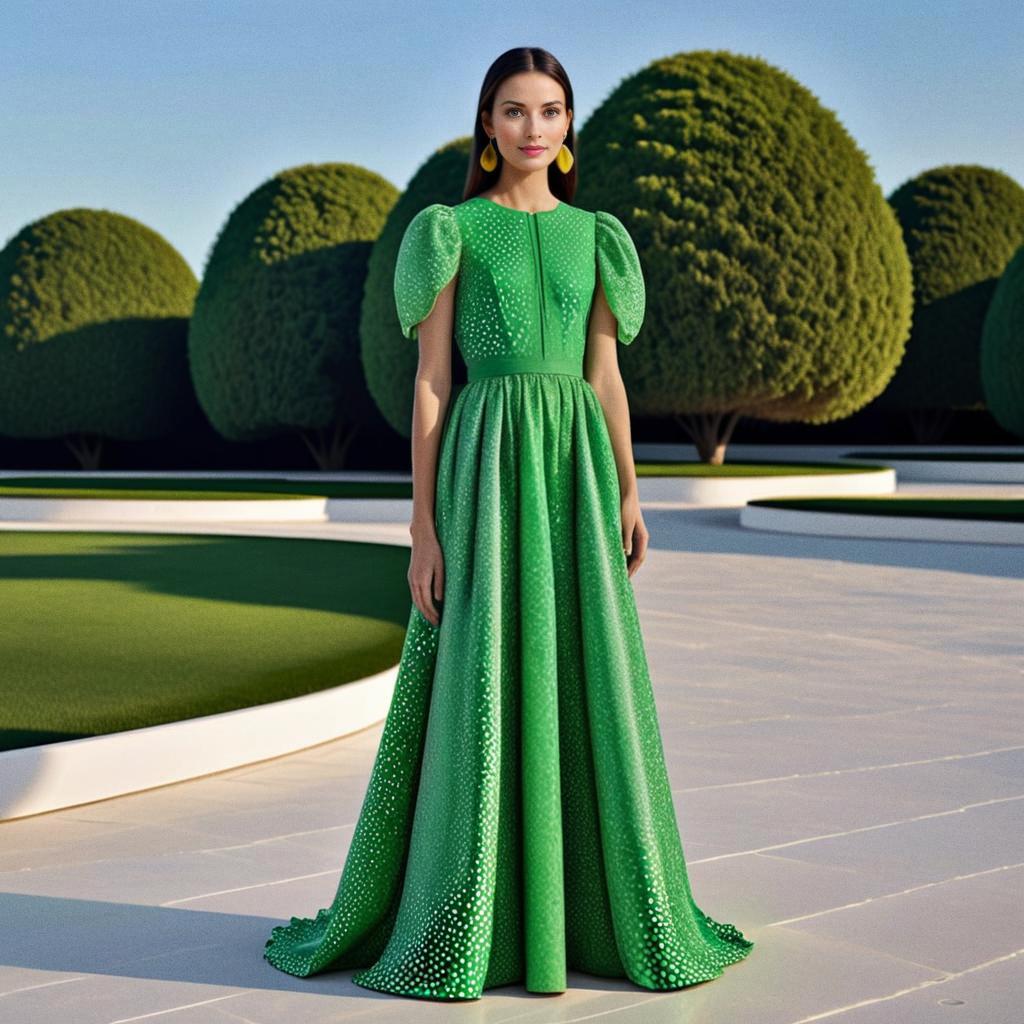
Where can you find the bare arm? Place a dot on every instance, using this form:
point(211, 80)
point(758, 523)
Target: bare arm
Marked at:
point(601, 369)
point(430, 403)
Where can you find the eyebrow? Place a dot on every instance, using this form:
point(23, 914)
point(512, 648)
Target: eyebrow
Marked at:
point(522, 104)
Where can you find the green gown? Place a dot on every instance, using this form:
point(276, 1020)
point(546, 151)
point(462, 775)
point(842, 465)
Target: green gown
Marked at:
point(518, 820)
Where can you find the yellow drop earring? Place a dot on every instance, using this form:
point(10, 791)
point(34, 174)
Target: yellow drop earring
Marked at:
point(564, 159)
point(489, 156)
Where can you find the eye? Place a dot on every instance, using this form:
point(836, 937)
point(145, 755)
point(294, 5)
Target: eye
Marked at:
point(548, 110)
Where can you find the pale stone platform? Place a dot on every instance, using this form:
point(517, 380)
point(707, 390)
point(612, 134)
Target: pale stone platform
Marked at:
point(843, 726)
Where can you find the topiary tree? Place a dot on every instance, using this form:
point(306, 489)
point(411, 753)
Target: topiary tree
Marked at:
point(778, 283)
point(274, 341)
point(94, 311)
point(1002, 349)
point(389, 358)
point(961, 225)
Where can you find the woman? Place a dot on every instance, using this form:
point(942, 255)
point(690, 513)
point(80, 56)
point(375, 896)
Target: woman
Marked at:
point(519, 819)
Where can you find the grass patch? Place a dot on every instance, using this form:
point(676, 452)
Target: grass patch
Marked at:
point(213, 489)
point(105, 631)
point(1007, 510)
point(750, 467)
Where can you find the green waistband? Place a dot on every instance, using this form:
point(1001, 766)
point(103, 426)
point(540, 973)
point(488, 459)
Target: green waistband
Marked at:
point(522, 364)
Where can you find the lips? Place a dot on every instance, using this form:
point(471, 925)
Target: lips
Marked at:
point(532, 150)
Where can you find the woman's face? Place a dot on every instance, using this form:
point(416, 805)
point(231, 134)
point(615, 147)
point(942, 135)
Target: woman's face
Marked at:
point(530, 121)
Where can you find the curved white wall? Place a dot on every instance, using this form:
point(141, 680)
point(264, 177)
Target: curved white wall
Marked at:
point(837, 524)
point(55, 775)
point(740, 490)
point(150, 510)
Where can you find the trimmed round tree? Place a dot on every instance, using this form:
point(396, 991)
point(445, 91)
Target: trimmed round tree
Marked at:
point(274, 342)
point(1002, 349)
point(389, 358)
point(778, 285)
point(94, 311)
point(961, 225)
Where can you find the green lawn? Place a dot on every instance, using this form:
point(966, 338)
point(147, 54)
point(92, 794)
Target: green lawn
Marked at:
point(104, 631)
point(750, 467)
point(1002, 509)
point(211, 489)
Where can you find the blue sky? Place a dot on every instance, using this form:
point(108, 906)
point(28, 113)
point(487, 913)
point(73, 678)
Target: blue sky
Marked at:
point(172, 111)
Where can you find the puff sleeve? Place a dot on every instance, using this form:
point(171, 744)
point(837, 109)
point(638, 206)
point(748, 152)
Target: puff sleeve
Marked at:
point(427, 261)
point(621, 276)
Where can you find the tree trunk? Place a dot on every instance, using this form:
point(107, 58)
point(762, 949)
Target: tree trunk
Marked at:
point(329, 445)
point(929, 426)
point(86, 451)
point(710, 432)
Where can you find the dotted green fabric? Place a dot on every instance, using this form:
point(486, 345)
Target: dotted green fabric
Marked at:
point(526, 280)
point(519, 820)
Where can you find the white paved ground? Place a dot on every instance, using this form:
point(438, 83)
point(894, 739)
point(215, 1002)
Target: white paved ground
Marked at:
point(843, 725)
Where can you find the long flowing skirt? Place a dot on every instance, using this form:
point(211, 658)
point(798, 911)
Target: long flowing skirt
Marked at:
point(518, 819)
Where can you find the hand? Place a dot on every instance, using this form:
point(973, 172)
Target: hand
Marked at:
point(426, 574)
point(634, 533)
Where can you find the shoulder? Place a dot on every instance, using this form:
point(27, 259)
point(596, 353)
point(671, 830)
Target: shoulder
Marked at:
point(428, 259)
point(614, 242)
point(609, 228)
point(434, 211)
point(435, 217)
point(433, 229)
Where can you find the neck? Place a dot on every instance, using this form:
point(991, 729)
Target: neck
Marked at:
point(523, 191)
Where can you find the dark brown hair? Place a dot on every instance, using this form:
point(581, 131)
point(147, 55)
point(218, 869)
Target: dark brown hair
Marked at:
point(512, 62)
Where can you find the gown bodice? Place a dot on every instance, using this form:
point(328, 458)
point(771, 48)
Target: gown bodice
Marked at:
point(525, 281)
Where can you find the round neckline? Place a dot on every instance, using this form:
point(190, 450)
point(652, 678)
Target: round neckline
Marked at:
point(524, 213)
